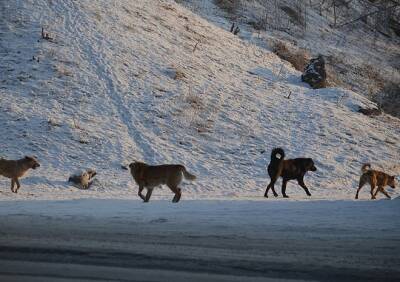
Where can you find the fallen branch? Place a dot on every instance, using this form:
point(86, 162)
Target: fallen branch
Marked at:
point(195, 46)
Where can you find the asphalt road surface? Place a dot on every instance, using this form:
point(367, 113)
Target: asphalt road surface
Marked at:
point(96, 240)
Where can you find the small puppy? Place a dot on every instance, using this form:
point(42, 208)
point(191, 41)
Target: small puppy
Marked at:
point(15, 169)
point(84, 179)
point(375, 178)
point(150, 176)
point(288, 170)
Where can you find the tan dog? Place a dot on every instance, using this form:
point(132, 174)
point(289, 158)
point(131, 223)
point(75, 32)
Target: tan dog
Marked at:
point(149, 176)
point(15, 169)
point(375, 178)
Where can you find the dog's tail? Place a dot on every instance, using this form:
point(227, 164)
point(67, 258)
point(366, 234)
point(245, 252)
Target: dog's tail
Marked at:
point(275, 166)
point(365, 168)
point(274, 155)
point(74, 179)
point(186, 174)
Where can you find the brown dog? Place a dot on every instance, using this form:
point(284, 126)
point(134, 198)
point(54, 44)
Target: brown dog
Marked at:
point(149, 176)
point(375, 178)
point(15, 169)
point(288, 170)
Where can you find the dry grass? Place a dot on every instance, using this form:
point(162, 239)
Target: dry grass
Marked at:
point(389, 98)
point(179, 74)
point(229, 6)
point(296, 56)
point(97, 16)
point(63, 71)
point(195, 101)
point(332, 79)
point(294, 15)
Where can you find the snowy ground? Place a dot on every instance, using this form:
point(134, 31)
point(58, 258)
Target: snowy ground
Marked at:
point(118, 240)
point(103, 93)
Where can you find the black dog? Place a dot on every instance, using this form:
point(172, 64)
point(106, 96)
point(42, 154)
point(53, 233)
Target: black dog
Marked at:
point(288, 170)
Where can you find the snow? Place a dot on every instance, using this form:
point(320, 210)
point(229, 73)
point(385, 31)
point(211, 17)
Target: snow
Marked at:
point(103, 94)
point(362, 58)
point(246, 217)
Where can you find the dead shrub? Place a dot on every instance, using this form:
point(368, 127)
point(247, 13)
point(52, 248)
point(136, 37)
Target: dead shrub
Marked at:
point(389, 98)
point(63, 71)
point(294, 15)
point(258, 25)
point(195, 101)
point(179, 75)
point(370, 72)
point(299, 58)
point(332, 78)
point(229, 6)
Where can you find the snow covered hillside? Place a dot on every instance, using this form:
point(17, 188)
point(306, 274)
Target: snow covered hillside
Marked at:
point(152, 81)
point(358, 56)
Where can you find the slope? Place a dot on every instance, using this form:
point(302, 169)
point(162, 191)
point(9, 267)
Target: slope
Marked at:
point(150, 80)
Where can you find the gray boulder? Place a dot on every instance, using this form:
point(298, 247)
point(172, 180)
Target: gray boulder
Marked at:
point(315, 73)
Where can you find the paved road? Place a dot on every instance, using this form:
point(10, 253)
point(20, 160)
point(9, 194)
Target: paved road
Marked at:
point(199, 241)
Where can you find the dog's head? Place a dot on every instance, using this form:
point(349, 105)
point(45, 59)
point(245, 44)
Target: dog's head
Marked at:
point(91, 173)
point(392, 180)
point(136, 167)
point(32, 162)
point(310, 165)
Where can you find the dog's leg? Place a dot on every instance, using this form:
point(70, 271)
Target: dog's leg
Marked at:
point(177, 191)
point(301, 183)
point(284, 182)
point(148, 195)
point(266, 191)
point(177, 196)
point(273, 191)
point(274, 177)
point(12, 185)
point(18, 185)
point(140, 192)
point(270, 186)
point(373, 195)
point(360, 185)
point(384, 192)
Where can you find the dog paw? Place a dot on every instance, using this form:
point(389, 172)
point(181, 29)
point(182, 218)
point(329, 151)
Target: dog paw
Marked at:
point(275, 195)
point(285, 196)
